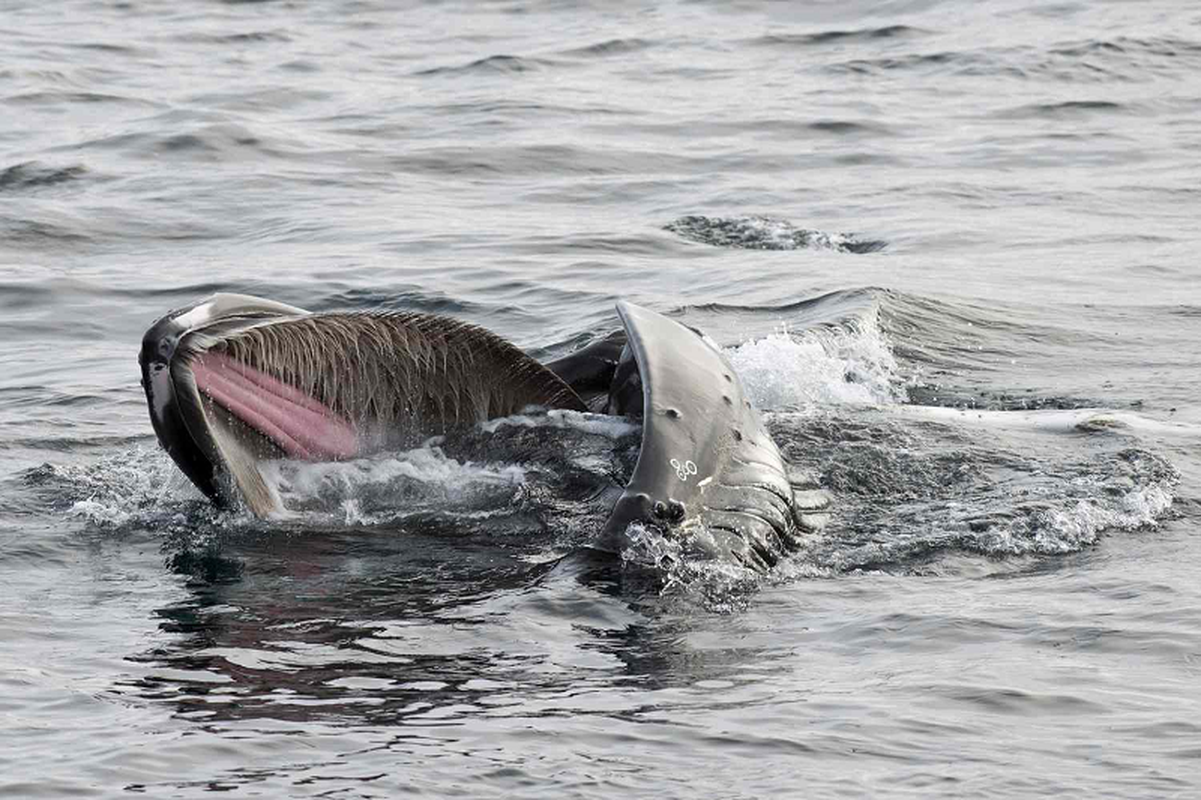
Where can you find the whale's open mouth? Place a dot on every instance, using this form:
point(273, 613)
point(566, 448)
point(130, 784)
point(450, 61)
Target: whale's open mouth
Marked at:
point(299, 425)
point(236, 380)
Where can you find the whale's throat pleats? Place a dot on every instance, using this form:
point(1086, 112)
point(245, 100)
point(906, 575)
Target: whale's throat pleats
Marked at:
point(324, 387)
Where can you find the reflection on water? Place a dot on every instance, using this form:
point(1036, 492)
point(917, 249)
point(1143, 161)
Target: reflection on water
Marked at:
point(374, 626)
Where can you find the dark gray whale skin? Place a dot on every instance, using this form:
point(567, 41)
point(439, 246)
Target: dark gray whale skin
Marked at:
point(707, 464)
point(707, 472)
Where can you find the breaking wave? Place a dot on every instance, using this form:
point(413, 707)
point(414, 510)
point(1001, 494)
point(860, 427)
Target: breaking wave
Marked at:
point(851, 364)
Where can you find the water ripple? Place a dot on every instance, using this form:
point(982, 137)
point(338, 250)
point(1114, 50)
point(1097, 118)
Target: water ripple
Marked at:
point(765, 233)
point(612, 47)
point(838, 36)
point(33, 174)
point(1002, 603)
point(493, 65)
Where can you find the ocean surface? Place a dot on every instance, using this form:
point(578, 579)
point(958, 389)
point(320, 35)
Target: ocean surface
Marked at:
point(951, 248)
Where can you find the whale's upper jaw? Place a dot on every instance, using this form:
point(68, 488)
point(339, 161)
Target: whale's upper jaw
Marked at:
point(706, 459)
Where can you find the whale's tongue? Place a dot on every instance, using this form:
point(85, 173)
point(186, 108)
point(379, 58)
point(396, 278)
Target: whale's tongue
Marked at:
point(301, 426)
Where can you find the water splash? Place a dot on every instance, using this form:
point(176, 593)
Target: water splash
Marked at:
point(820, 366)
point(118, 490)
point(372, 490)
point(610, 427)
point(670, 563)
point(766, 233)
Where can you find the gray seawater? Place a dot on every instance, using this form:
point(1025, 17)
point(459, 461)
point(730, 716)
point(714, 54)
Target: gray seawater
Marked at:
point(951, 248)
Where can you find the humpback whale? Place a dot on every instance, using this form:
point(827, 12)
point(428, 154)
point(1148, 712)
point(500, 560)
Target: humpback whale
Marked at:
point(235, 380)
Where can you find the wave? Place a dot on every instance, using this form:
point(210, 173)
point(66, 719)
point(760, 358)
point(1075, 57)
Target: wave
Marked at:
point(493, 65)
point(49, 230)
point(34, 175)
point(1124, 47)
point(819, 38)
point(206, 143)
point(611, 47)
point(537, 159)
point(59, 97)
point(1069, 109)
point(841, 127)
point(1124, 59)
point(248, 37)
point(766, 233)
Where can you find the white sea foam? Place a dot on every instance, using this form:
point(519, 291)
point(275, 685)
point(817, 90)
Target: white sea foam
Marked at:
point(820, 366)
point(424, 464)
point(422, 474)
point(1069, 529)
point(100, 512)
point(123, 487)
point(596, 424)
point(1055, 421)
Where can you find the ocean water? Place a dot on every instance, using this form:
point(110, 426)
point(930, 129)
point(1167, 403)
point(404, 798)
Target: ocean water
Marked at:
point(950, 247)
